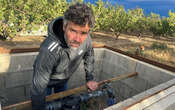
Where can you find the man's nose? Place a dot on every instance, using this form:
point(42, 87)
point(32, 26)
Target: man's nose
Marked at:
point(77, 37)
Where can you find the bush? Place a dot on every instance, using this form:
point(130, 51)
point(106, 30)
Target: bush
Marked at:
point(159, 46)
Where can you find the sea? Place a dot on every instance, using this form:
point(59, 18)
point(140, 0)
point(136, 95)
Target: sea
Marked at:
point(161, 7)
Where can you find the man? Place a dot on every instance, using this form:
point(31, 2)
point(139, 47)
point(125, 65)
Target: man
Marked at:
point(67, 44)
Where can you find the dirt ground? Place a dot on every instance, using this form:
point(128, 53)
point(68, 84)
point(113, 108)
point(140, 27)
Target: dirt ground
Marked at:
point(133, 44)
point(127, 43)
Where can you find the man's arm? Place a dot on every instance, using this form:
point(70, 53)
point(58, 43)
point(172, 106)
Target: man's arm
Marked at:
point(89, 69)
point(42, 70)
point(89, 64)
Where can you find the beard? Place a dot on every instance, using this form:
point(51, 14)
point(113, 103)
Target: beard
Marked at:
point(72, 44)
point(74, 48)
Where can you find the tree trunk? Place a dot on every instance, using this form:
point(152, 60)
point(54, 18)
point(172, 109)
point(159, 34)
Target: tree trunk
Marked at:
point(117, 34)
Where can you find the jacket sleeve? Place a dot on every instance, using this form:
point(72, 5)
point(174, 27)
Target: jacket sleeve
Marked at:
point(43, 66)
point(89, 64)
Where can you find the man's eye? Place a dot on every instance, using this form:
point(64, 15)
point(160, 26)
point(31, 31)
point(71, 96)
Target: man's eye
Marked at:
point(72, 30)
point(84, 33)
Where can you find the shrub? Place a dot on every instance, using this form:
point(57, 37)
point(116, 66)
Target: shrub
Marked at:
point(159, 46)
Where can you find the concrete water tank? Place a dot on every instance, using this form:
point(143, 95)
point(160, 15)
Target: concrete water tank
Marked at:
point(15, 80)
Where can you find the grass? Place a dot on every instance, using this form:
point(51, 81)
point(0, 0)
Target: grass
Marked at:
point(160, 52)
point(165, 56)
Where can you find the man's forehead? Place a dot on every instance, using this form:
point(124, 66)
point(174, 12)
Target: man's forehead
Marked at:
point(79, 27)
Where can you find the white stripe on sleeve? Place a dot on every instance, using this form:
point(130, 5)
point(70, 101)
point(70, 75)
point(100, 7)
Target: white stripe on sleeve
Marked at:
point(54, 47)
point(51, 45)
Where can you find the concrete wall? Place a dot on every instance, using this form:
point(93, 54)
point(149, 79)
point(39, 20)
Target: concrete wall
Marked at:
point(17, 71)
point(150, 79)
point(16, 79)
point(78, 78)
point(16, 76)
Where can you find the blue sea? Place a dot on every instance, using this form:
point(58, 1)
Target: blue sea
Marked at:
point(160, 7)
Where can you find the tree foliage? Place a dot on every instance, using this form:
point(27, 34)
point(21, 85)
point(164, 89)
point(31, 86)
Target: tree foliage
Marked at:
point(171, 22)
point(137, 21)
point(118, 21)
point(18, 16)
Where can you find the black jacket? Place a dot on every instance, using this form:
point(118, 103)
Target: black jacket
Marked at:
point(57, 61)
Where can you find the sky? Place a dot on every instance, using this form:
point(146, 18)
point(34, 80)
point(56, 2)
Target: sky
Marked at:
point(160, 7)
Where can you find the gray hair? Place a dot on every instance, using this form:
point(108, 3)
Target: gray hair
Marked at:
point(65, 21)
point(80, 14)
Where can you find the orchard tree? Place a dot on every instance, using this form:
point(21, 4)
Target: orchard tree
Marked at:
point(118, 21)
point(166, 29)
point(171, 22)
point(137, 21)
point(101, 15)
point(155, 24)
point(18, 16)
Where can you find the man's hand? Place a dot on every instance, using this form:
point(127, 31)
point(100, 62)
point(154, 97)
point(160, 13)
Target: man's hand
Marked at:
point(92, 85)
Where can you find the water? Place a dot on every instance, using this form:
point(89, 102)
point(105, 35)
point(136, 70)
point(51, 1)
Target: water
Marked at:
point(160, 7)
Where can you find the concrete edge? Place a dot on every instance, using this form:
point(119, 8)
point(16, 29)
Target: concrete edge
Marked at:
point(149, 93)
point(23, 50)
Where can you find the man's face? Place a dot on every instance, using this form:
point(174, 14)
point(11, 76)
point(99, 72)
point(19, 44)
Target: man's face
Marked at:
point(76, 34)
